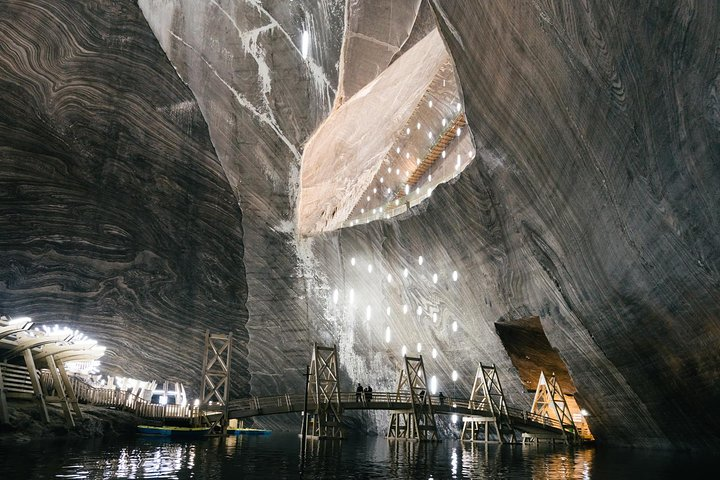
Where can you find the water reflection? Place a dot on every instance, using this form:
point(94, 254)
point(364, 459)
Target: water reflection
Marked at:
point(279, 456)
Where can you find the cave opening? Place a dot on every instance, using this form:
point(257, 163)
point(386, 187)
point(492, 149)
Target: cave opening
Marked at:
point(532, 355)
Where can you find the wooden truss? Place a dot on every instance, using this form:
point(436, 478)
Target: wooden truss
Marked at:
point(487, 395)
point(549, 402)
point(323, 389)
point(216, 377)
point(419, 422)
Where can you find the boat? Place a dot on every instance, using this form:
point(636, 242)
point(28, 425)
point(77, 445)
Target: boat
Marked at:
point(169, 431)
point(247, 431)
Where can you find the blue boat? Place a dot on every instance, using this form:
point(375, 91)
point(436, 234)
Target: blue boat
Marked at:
point(167, 431)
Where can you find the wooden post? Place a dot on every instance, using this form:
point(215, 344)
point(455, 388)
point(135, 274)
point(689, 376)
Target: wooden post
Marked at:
point(37, 389)
point(4, 416)
point(69, 390)
point(60, 389)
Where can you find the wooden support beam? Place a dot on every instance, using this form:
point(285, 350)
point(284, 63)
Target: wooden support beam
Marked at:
point(60, 390)
point(4, 415)
point(69, 390)
point(35, 381)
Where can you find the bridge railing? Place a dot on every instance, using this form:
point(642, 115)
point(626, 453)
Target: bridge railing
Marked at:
point(390, 400)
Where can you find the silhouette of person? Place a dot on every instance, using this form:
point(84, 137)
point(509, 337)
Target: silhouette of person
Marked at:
point(441, 397)
point(422, 396)
point(368, 393)
point(358, 393)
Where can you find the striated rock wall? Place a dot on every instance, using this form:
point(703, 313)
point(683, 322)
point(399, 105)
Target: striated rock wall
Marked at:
point(116, 217)
point(261, 99)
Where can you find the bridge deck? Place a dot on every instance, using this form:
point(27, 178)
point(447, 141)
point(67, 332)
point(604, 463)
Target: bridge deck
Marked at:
point(289, 403)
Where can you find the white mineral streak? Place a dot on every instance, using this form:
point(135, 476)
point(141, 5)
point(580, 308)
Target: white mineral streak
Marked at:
point(347, 150)
point(245, 103)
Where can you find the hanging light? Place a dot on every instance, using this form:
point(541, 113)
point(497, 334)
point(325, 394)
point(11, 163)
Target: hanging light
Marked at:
point(335, 296)
point(403, 350)
point(405, 308)
point(420, 260)
point(368, 312)
point(387, 334)
point(418, 310)
point(434, 352)
point(305, 42)
point(352, 260)
point(435, 278)
point(405, 273)
point(389, 278)
point(455, 276)
point(454, 376)
point(419, 347)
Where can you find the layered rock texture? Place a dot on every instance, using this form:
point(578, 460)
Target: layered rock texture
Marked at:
point(116, 216)
point(150, 170)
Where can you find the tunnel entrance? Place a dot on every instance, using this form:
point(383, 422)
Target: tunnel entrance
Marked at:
point(531, 353)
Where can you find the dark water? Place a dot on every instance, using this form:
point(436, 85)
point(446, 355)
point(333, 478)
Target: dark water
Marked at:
point(278, 456)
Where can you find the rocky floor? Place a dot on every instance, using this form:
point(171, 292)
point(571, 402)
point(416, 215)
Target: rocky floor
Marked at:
point(26, 424)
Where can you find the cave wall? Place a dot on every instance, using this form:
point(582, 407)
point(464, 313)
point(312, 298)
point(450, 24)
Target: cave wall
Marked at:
point(261, 99)
point(592, 203)
point(116, 216)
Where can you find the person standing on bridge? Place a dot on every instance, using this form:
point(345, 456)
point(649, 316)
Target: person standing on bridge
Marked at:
point(368, 393)
point(359, 393)
point(441, 397)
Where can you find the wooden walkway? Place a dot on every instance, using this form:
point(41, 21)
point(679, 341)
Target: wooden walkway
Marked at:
point(523, 421)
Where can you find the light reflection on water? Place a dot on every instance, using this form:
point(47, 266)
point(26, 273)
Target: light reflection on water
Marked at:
point(278, 456)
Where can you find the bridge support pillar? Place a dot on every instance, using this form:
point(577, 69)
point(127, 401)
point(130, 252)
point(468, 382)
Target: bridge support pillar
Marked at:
point(418, 423)
point(487, 394)
point(323, 388)
point(216, 380)
point(549, 402)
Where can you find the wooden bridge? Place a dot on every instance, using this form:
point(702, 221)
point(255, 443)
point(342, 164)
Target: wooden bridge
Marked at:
point(485, 414)
point(524, 421)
